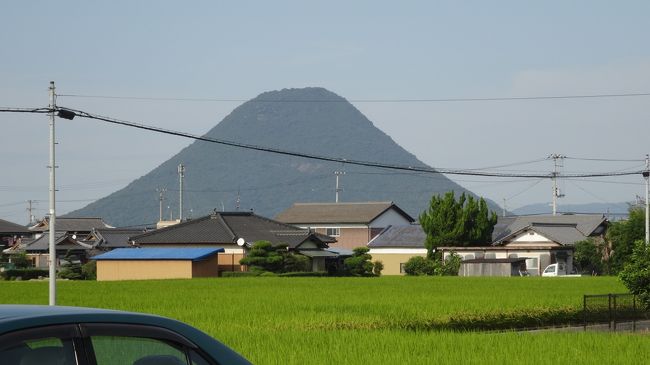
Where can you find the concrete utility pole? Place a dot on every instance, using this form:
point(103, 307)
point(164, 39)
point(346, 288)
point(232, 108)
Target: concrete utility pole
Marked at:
point(161, 198)
point(646, 175)
point(504, 207)
point(30, 210)
point(556, 191)
point(338, 173)
point(181, 175)
point(52, 223)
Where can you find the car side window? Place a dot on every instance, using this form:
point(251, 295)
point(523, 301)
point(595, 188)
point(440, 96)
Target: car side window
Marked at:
point(49, 346)
point(121, 350)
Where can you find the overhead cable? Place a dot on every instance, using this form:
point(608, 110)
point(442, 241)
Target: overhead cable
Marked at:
point(425, 169)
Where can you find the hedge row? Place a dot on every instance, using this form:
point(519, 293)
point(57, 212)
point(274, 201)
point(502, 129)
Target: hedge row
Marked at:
point(238, 274)
point(24, 274)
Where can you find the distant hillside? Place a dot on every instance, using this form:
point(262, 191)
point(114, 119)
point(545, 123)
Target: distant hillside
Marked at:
point(618, 209)
point(310, 120)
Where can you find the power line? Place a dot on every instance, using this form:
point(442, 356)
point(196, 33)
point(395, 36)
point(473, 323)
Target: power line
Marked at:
point(25, 110)
point(342, 100)
point(603, 159)
point(84, 114)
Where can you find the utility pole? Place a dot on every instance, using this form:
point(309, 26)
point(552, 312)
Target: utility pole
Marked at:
point(556, 191)
point(52, 223)
point(161, 198)
point(181, 175)
point(646, 175)
point(337, 174)
point(30, 210)
point(504, 207)
point(238, 200)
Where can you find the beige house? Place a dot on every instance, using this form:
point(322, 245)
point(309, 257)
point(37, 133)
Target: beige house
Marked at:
point(395, 245)
point(352, 224)
point(157, 263)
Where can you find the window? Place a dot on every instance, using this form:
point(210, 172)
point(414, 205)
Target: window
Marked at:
point(401, 268)
point(333, 231)
point(49, 345)
point(116, 350)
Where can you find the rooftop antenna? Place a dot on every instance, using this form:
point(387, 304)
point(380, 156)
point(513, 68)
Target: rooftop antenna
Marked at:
point(338, 189)
point(554, 175)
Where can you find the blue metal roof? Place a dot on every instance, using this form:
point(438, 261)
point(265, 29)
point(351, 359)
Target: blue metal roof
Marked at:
point(194, 254)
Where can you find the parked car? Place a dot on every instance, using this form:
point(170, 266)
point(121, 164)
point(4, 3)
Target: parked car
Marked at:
point(55, 335)
point(558, 269)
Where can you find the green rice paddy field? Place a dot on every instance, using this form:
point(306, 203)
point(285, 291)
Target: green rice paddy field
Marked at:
point(409, 320)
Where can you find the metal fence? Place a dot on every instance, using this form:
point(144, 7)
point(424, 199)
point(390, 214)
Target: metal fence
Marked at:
point(615, 310)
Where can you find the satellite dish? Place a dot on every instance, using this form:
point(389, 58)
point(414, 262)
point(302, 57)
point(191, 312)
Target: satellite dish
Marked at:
point(241, 242)
point(74, 236)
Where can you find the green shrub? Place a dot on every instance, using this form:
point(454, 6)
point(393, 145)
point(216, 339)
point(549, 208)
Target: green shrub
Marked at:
point(636, 273)
point(359, 264)
point(418, 265)
point(378, 266)
point(304, 274)
point(268, 273)
point(89, 270)
point(24, 274)
point(240, 274)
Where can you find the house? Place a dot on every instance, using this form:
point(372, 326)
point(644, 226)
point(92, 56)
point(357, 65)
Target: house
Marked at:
point(38, 250)
point(157, 263)
point(11, 234)
point(395, 245)
point(236, 232)
point(106, 239)
point(540, 239)
point(352, 224)
point(75, 226)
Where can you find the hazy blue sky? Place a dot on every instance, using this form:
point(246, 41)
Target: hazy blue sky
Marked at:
point(359, 50)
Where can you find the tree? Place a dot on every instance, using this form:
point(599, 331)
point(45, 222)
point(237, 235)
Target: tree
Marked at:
point(420, 266)
point(622, 235)
point(589, 257)
point(466, 222)
point(263, 256)
point(636, 273)
point(20, 260)
point(359, 264)
point(71, 269)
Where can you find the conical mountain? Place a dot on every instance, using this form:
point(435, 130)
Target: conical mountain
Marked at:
point(307, 120)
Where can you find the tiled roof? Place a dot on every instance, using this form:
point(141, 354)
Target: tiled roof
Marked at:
point(9, 227)
point(62, 241)
point(565, 229)
point(318, 213)
point(406, 236)
point(71, 225)
point(114, 237)
point(193, 254)
point(226, 228)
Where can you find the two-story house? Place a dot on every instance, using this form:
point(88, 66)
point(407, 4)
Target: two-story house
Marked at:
point(352, 224)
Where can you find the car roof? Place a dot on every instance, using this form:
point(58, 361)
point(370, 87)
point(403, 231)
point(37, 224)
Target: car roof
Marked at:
point(14, 317)
point(19, 317)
